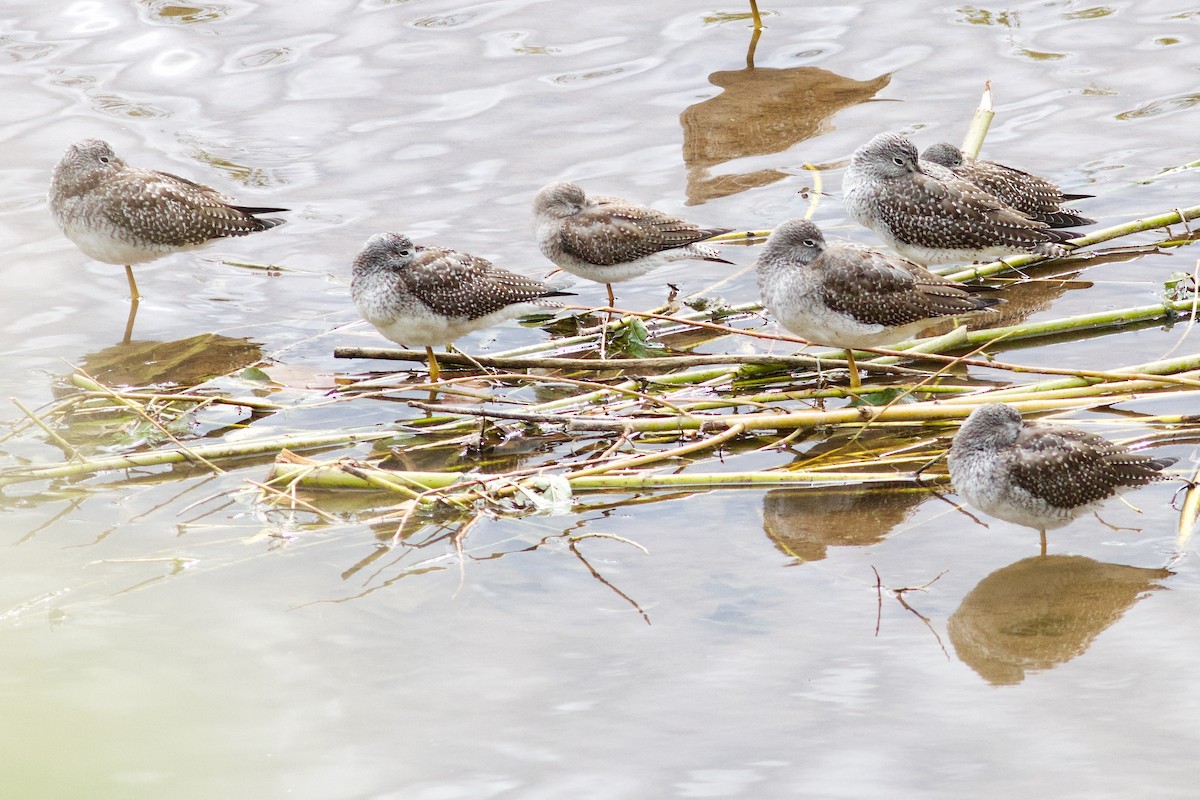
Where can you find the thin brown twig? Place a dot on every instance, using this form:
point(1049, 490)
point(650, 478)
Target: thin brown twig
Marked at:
point(573, 544)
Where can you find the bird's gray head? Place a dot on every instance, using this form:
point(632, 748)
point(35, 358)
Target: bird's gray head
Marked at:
point(385, 251)
point(989, 427)
point(86, 162)
point(559, 200)
point(797, 240)
point(888, 155)
point(943, 153)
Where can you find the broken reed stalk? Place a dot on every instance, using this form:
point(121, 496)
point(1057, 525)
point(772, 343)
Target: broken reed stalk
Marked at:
point(948, 409)
point(801, 418)
point(174, 455)
point(981, 120)
point(977, 271)
point(1189, 513)
point(587, 364)
point(335, 477)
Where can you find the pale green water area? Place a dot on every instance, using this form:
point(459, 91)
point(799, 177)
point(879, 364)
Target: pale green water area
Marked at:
point(167, 633)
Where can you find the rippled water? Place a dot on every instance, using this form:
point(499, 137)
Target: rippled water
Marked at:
point(163, 638)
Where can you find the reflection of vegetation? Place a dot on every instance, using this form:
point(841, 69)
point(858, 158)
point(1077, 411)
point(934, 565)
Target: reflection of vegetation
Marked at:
point(91, 418)
point(123, 107)
point(384, 567)
point(241, 173)
point(1097, 12)
point(973, 15)
point(1040, 56)
point(186, 14)
point(1166, 105)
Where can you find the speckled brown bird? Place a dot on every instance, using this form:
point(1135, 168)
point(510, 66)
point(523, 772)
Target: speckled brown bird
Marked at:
point(850, 296)
point(607, 239)
point(1040, 476)
point(929, 215)
point(1030, 194)
point(125, 215)
point(416, 294)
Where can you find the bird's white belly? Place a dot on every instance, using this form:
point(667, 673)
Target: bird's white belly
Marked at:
point(420, 326)
point(992, 492)
point(102, 243)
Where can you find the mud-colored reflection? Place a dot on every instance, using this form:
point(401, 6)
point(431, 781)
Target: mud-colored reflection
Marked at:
point(761, 111)
point(184, 362)
point(1023, 300)
point(186, 14)
point(805, 523)
point(1043, 611)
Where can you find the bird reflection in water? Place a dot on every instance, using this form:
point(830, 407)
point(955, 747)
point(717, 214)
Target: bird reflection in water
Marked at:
point(805, 523)
point(181, 363)
point(1043, 611)
point(761, 111)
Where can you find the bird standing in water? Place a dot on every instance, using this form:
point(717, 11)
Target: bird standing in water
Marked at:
point(126, 215)
point(1040, 476)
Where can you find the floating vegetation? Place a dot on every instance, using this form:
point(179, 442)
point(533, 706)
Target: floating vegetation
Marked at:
point(530, 431)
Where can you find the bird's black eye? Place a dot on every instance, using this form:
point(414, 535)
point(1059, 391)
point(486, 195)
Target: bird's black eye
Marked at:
point(809, 243)
point(898, 161)
point(103, 159)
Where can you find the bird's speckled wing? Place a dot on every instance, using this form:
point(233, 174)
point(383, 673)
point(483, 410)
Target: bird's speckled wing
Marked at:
point(957, 213)
point(1066, 467)
point(1028, 193)
point(610, 231)
point(874, 288)
point(455, 284)
point(170, 210)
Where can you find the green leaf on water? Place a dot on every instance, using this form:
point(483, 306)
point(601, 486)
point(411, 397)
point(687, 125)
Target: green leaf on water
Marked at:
point(1179, 286)
point(881, 397)
point(634, 340)
point(254, 374)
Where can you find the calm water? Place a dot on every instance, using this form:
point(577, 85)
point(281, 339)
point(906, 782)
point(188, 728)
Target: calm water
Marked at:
point(171, 637)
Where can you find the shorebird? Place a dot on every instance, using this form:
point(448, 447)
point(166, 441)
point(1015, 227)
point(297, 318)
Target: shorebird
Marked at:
point(607, 239)
point(850, 296)
point(417, 294)
point(929, 215)
point(126, 215)
point(1030, 194)
point(1040, 476)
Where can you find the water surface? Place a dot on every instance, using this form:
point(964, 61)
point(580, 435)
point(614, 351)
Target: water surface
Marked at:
point(169, 635)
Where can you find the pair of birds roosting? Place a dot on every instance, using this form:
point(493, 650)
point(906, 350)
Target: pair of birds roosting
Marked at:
point(432, 295)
